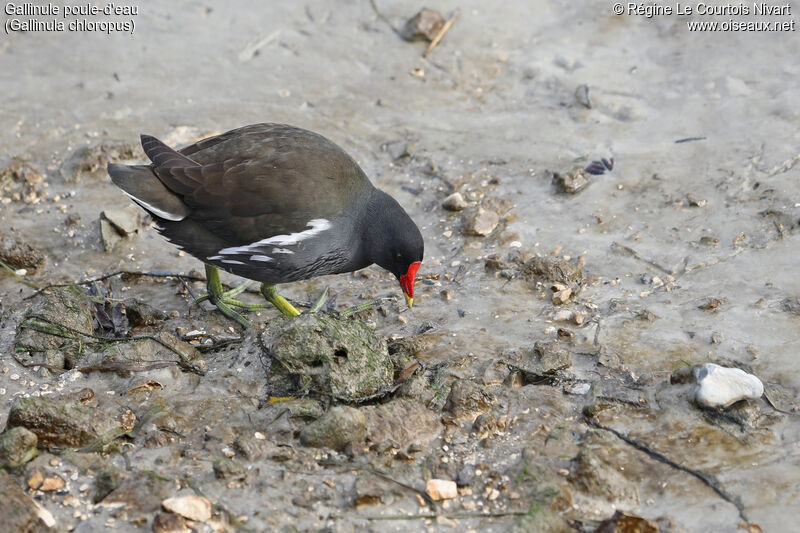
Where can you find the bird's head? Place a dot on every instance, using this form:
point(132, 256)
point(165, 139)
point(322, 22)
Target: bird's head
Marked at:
point(397, 245)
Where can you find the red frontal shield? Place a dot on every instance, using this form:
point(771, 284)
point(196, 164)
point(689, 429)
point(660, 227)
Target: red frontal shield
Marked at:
point(407, 279)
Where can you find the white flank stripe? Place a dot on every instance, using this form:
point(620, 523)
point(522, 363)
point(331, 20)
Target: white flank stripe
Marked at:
point(238, 250)
point(318, 225)
point(214, 257)
point(282, 251)
point(232, 262)
point(263, 258)
point(156, 211)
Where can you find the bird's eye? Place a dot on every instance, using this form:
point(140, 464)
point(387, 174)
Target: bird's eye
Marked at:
point(399, 256)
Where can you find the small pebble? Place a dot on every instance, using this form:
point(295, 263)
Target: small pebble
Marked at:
point(191, 507)
point(719, 386)
point(562, 297)
point(454, 202)
point(441, 489)
point(52, 484)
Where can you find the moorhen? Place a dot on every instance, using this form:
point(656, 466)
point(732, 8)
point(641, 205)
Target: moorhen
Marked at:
point(271, 203)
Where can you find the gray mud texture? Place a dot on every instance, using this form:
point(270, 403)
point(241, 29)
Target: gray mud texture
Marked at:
point(607, 201)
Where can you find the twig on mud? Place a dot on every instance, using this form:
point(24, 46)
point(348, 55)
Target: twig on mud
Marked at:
point(621, 249)
point(712, 262)
point(183, 360)
point(438, 37)
point(22, 279)
point(708, 479)
point(426, 516)
point(89, 281)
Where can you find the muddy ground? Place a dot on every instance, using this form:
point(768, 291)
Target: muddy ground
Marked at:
point(535, 368)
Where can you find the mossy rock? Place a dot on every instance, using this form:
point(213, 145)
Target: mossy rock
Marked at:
point(56, 321)
point(323, 354)
point(17, 447)
point(63, 422)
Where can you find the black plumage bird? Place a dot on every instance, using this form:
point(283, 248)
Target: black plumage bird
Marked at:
point(275, 204)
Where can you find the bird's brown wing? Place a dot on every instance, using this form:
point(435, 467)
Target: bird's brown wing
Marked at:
point(260, 182)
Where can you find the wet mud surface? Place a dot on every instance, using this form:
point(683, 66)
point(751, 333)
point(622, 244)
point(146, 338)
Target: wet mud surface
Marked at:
point(544, 380)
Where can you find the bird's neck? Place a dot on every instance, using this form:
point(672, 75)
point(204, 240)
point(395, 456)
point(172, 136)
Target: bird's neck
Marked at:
point(373, 225)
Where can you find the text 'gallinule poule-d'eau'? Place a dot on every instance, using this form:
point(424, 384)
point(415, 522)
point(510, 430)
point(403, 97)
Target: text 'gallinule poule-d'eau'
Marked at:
point(275, 204)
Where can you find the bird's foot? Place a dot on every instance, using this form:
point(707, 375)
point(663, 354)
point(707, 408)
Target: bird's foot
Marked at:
point(282, 304)
point(224, 300)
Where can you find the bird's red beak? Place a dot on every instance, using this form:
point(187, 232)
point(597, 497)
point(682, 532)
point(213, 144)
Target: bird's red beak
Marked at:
point(407, 282)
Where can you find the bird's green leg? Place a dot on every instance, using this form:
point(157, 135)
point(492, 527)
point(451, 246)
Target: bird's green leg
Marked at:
point(224, 300)
point(281, 303)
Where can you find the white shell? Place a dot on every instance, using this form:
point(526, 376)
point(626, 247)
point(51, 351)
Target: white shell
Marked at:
point(719, 386)
point(191, 507)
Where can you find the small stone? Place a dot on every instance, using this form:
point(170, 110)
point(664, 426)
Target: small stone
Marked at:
point(572, 182)
point(694, 201)
point(454, 202)
point(125, 221)
point(191, 507)
point(18, 254)
point(552, 269)
point(335, 429)
point(740, 238)
point(36, 480)
point(493, 495)
point(711, 304)
point(467, 398)
point(441, 489)
point(545, 359)
point(109, 236)
point(423, 26)
point(52, 484)
point(562, 297)
point(719, 386)
point(579, 317)
point(169, 523)
point(479, 222)
point(17, 446)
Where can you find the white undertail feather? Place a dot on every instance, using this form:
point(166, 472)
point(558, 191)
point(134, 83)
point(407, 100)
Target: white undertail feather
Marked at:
point(156, 211)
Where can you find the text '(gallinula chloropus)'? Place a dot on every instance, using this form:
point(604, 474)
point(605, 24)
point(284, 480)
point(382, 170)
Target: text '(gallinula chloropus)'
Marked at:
point(275, 204)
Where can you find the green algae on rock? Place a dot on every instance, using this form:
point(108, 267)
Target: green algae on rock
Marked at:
point(319, 353)
point(56, 321)
point(17, 447)
point(64, 422)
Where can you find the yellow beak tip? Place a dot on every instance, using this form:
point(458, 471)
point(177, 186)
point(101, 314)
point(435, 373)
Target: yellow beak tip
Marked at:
point(409, 301)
